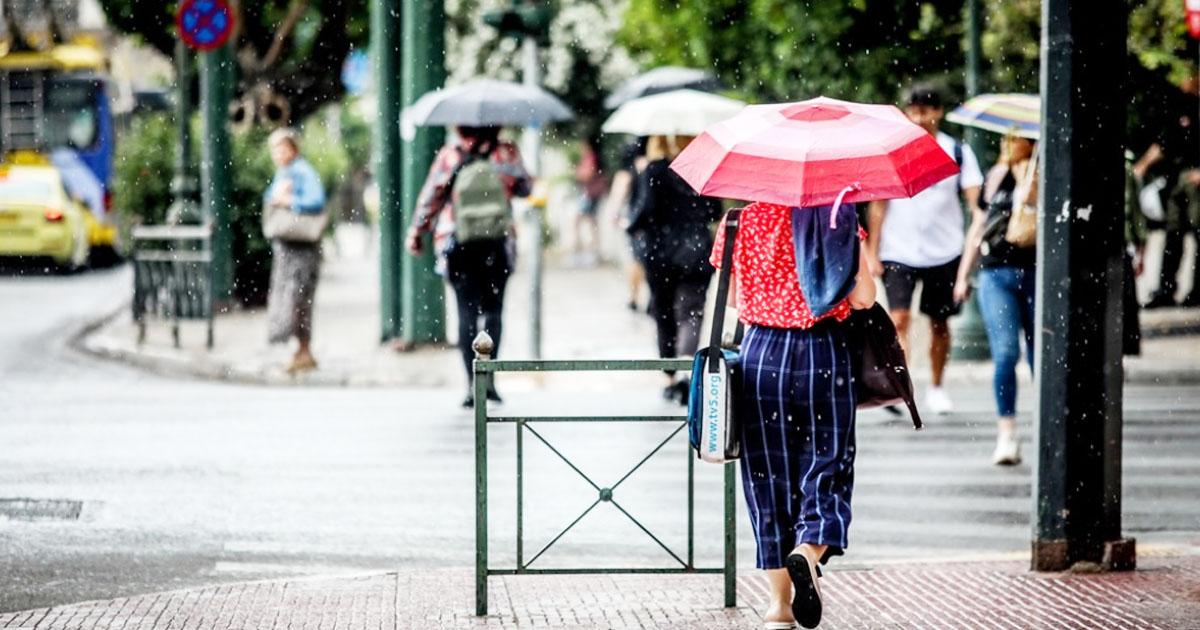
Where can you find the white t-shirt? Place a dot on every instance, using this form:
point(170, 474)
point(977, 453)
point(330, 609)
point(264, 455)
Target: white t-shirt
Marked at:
point(927, 230)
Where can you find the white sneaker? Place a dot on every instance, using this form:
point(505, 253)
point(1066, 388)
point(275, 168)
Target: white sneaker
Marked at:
point(938, 401)
point(1008, 451)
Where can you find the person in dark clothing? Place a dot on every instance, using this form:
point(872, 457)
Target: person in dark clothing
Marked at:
point(621, 194)
point(675, 222)
point(1175, 156)
point(477, 268)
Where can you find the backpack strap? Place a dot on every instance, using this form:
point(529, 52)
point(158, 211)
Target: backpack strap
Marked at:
point(718, 323)
point(958, 159)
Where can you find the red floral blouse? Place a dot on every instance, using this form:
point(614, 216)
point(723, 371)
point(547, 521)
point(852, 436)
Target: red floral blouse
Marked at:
point(764, 265)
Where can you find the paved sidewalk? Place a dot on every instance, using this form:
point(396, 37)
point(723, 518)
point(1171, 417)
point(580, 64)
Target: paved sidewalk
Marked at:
point(585, 316)
point(1163, 594)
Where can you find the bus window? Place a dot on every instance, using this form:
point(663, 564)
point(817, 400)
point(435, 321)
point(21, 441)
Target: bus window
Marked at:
point(72, 119)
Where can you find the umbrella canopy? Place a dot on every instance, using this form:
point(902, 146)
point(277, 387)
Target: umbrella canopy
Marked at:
point(486, 102)
point(1002, 113)
point(814, 153)
point(678, 113)
point(662, 79)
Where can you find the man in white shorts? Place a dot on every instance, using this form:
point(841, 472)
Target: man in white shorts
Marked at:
point(921, 239)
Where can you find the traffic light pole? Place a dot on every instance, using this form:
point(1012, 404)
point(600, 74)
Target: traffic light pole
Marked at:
point(968, 334)
point(422, 303)
point(216, 90)
point(385, 47)
point(532, 154)
point(1079, 372)
point(183, 184)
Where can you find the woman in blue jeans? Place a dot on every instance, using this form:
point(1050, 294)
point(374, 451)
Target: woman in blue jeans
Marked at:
point(1006, 283)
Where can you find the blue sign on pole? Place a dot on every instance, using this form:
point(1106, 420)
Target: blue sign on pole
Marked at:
point(204, 24)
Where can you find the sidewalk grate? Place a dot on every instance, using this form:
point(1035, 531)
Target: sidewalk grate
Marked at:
point(40, 509)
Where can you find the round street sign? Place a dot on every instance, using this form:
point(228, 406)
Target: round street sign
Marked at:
point(204, 24)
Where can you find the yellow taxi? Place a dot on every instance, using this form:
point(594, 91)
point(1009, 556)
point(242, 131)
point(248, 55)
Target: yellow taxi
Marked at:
point(39, 219)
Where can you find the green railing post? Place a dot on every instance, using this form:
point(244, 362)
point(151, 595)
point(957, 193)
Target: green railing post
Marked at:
point(385, 49)
point(216, 90)
point(484, 346)
point(520, 495)
point(691, 535)
point(730, 537)
point(422, 305)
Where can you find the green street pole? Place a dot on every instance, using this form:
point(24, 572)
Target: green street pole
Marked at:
point(183, 185)
point(422, 303)
point(968, 334)
point(385, 48)
point(216, 90)
point(1079, 372)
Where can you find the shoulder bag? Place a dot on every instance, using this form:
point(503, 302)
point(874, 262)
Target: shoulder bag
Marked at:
point(280, 222)
point(1022, 223)
point(880, 371)
point(716, 387)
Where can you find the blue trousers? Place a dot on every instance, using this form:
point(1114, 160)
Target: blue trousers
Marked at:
point(798, 410)
point(1006, 297)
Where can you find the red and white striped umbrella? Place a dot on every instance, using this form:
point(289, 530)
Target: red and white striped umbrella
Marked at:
point(814, 153)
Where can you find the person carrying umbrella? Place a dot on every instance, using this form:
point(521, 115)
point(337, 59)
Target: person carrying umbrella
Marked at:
point(465, 204)
point(798, 270)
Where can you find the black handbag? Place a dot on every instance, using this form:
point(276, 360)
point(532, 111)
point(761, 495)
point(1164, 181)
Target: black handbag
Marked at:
point(881, 375)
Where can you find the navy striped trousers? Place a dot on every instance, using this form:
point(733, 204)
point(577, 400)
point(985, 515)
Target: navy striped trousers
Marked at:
point(798, 408)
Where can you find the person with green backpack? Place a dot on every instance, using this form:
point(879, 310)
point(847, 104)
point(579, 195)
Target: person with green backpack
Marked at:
point(465, 204)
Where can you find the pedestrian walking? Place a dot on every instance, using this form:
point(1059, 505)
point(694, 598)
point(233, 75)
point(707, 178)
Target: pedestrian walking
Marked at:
point(593, 184)
point(295, 264)
point(675, 221)
point(620, 196)
point(1006, 281)
point(1173, 159)
point(798, 269)
point(920, 240)
point(464, 203)
point(798, 410)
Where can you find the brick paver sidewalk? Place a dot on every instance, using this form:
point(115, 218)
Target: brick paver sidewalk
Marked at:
point(1163, 594)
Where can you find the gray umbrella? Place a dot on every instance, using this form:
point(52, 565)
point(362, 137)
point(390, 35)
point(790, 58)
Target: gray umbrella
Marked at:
point(486, 102)
point(662, 79)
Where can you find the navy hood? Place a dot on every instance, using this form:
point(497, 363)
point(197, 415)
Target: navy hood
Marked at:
point(826, 255)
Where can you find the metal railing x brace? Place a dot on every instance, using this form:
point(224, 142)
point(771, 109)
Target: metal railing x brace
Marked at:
point(484, 367)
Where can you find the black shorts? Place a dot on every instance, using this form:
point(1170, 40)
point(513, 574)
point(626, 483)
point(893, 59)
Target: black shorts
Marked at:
point(937, 288)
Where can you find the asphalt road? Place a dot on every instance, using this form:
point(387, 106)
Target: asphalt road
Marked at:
point(136, 483)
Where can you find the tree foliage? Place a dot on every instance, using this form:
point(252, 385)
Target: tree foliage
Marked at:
point(771, 50)
point(292, 49)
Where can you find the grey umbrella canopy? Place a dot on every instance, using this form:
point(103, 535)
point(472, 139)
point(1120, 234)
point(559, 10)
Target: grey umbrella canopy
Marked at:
point(486, 102)
point(662, 79)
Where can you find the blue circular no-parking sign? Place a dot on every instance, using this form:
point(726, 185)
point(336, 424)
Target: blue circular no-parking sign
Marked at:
point(204, 24)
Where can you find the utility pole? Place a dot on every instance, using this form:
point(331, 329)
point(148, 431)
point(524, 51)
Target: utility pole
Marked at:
point(422, 303)
point(385, 48)
point(968, 334)
point(1079, 372)
point(183, 185)
point(216, 90)
point(530, 23)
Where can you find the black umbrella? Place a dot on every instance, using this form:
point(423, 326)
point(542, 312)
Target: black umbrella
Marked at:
point(486, 102)
point(662, 79)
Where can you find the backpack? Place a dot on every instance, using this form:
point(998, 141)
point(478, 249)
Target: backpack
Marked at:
point(481, 207)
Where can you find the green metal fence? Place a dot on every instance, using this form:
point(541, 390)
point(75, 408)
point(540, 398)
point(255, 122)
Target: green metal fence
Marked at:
point(484, 368)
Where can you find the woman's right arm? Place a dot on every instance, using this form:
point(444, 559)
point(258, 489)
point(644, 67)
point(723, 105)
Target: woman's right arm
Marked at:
point(970, 256)
point(862, 296)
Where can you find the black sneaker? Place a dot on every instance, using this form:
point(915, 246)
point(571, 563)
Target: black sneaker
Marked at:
point(469, 401)
point(493, 396)
point(1192, 300)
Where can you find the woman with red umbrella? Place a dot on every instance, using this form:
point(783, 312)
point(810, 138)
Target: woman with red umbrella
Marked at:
point(798, 271)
